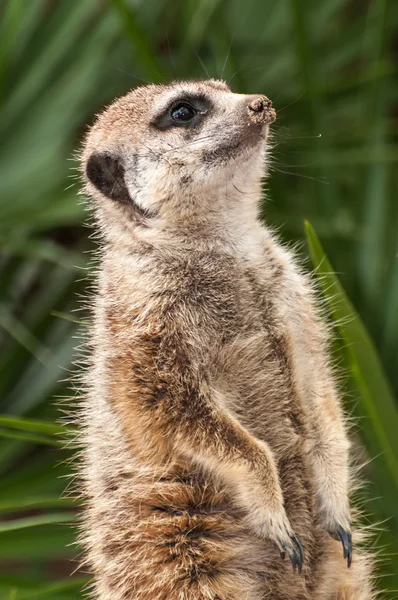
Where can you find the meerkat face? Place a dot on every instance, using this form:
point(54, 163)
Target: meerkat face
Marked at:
point(176, 146)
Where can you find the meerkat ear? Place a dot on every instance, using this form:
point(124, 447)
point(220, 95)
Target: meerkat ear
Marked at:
point(106, 172)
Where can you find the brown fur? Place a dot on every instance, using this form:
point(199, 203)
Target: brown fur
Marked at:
point(212, 426)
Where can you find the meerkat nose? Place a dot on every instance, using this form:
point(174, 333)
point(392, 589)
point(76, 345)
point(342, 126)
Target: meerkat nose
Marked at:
point(259, 104)
point(260, 109)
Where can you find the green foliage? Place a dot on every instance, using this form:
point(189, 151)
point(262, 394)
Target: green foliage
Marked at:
point(329, 68)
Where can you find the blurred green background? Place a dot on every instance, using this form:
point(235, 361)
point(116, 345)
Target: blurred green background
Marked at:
point(330, 67)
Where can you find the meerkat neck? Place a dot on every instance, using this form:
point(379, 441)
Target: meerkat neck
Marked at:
point(216, 230)
point(223, 215)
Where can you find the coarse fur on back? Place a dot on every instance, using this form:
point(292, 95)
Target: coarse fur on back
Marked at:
point(216, 458)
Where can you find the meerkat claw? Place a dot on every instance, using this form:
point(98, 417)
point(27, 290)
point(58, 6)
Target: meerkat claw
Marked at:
point(300, 547)
point(345, 537)
point(294, 551)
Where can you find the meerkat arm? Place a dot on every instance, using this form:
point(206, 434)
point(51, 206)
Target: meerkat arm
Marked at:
point(329, 445)
point(330, 459)
point(156, 389)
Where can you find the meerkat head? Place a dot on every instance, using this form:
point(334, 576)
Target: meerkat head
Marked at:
point(166, 151)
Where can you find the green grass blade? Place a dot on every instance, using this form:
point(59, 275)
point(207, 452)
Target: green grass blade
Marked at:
point(28, 522)
point(375, 396)
point(29, 437)
point(38, 502)
point(31, 425)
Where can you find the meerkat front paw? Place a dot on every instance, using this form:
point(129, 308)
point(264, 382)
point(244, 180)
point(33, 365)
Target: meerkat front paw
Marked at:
point(278, 529)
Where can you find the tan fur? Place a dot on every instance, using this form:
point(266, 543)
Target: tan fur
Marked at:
point(212, 425)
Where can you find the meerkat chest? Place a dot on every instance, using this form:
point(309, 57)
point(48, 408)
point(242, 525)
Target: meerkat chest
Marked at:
point(286, 329)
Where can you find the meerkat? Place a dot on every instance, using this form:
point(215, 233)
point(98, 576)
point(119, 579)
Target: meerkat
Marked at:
point(216, 458)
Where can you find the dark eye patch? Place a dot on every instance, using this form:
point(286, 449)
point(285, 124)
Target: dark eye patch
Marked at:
point(186, 111)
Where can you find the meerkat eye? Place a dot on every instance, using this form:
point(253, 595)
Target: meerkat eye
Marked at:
point(183, 112)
